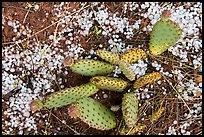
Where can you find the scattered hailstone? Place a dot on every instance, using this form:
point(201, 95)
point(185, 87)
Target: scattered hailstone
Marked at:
point(105, 96)
point(10, 23)
point(37, 7)
point(139, 68)
point(51, 37)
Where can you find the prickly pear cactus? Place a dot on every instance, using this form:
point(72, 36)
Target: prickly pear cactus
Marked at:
point(64, 97)
point(132, 55)
point(109, 83)
point(93, 113)
point(108, 56)
point(147, 79)
point(165, 33)
point(127, 71)
point(130, 109)
point(90, 67)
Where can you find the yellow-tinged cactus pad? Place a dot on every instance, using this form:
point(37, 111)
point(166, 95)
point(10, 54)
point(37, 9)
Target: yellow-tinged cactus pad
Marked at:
point(132, 131)
point(147, 79)
point(130, 109)
point(108, 56)
point(157, 114)
point(127, 71)
point(95, 114)
point(165, 33)
point(109, 83)
point(132, 55)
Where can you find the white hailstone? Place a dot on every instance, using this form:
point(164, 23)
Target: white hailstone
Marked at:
point(26, 114)
point(107, 22)
point(51, 37)
point(10, 23)
point(153, 21)
point(183, 131)
point(188, 133)
point(37, 7)
point(91, 51)
point(175, 122)
point(159, 82)
point(156, 16)
point(12, 70)
point(151, 17)
point(199, 108)
point(15, 30)
point(68, 42)
point(20, 132)
point(105, 96)
point(143, 6)
point(148, 96)
point(70, 34)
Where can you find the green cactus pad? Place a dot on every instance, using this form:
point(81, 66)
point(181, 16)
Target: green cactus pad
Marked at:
point(147, 79)
point(165, 33)
point(133, 55)
point(130, 109)
point(127, 71)
point(108, 56)
point(90, 67)
point(69, 95)
point(109, 83)
point(95, 114)
point(66, 96)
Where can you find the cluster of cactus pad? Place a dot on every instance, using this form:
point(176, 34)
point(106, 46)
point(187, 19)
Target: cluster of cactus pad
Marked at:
point(165, 33)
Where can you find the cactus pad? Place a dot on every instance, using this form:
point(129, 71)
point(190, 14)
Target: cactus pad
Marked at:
point(93, 113)
point(65, 96)
point(147, 79)
point(108, 56)
point(133, 55)
point(109, 83)
point(157, 114)
point(130, 109)
point(165, 33)
point(130, 131)
point(127, 71)
point(90, 67)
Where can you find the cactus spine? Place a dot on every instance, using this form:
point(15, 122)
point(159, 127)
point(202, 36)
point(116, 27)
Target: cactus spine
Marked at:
point(109, 83)
point(130, 109)
point(108, 56)
point(132, 55)
point(93, 113)
point(64, 97)
point(147, 79)
point(165, 33)
point(90, 67)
